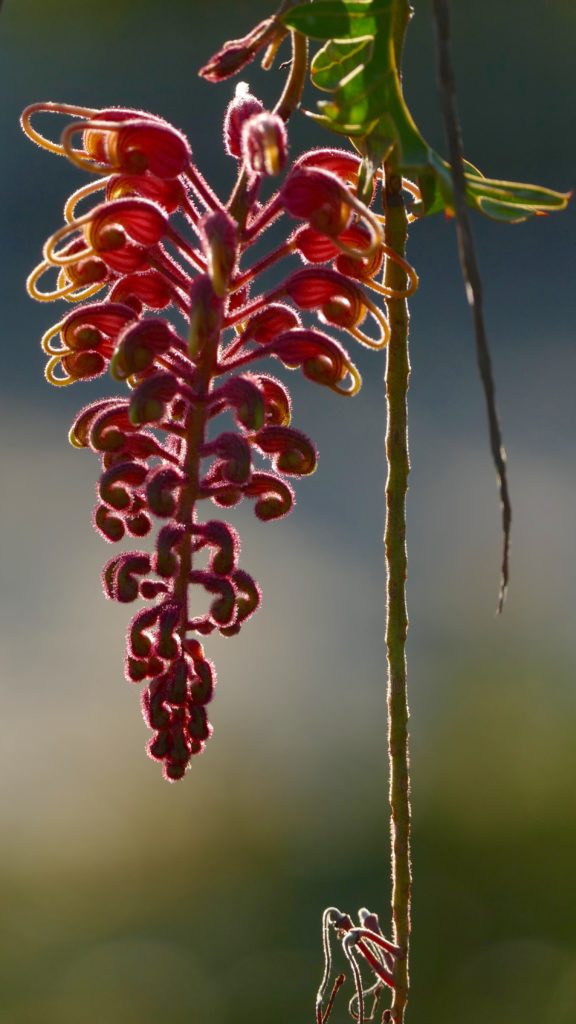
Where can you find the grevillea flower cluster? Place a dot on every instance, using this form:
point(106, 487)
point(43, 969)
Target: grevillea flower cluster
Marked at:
point(167, 300)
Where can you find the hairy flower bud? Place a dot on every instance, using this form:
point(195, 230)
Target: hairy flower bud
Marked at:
point(140, 344)
point(293, 452)
point(264, 144)
point(219, 233)
point(162, 489)
point(239, 110)
point(234, 457)
point(237, 53)
point(165, 561)
point(149, 400)
point(318, 197)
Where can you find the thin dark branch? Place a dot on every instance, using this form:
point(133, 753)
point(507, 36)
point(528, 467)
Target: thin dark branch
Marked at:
point(471, 273)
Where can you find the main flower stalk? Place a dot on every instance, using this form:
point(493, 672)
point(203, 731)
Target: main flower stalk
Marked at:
point(397, 456)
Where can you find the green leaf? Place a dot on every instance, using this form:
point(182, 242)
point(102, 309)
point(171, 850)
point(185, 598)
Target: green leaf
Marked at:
point(337, 19)
point(358, 67)
point(337, 60)
point(513, 192)
point(502, 211)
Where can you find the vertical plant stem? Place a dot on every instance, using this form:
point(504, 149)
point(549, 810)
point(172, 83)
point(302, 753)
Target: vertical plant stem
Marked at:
point(472, 277)
point(397, 377)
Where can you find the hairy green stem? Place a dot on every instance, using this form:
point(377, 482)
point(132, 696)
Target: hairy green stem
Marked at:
point(397, 377)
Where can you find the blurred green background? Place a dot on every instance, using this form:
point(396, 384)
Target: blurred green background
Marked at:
point(128, 901)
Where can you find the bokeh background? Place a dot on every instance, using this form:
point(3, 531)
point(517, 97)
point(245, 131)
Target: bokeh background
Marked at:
point(129, 901)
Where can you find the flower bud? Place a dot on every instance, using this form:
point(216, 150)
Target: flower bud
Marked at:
point(294, 453)
point(244, 396)
point(248, 597)
point(177, 682)
point(110, 486)
point(322, 359)
point(150, 398)
point(110, 526)
point(167, 192)
point(264, 144)
point(234, 457)
point(138, 524)
point(165, 561)
point(172, 771)
point(168, 643)
point(135, 670)
point(181, 749)
point(138, 669)
point(139, 639)
point(268, 322)
point(147, 288)
point(198, 725)
point(155, 710)
point(162, 491)
point(237, 53)
point(340, 301)
point(223, 608)
point(274, 497)
point(219, 234)
point(83, 365)
point(318, 197)
point(108, 429)
point(80, 429)
point(341, 162)
point(160, 745)
point(120, 575)
point(140, 344)
point(278, 406)
point(91, 323)
point(242, 107)
point(203, 681)
point(138, 143)
point(225, 540)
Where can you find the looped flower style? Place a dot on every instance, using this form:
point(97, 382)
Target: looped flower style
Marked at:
point(135, 273)
point(362, 943)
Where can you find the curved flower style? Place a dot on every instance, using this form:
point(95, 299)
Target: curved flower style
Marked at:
point(367, 939)
point(159, 242)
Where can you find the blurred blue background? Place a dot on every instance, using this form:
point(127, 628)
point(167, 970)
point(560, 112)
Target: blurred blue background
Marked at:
point(129, 901)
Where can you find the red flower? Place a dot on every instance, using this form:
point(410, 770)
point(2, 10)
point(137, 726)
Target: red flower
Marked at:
point(157, 461)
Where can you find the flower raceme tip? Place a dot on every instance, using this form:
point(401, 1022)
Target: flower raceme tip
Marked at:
point(164, 297)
